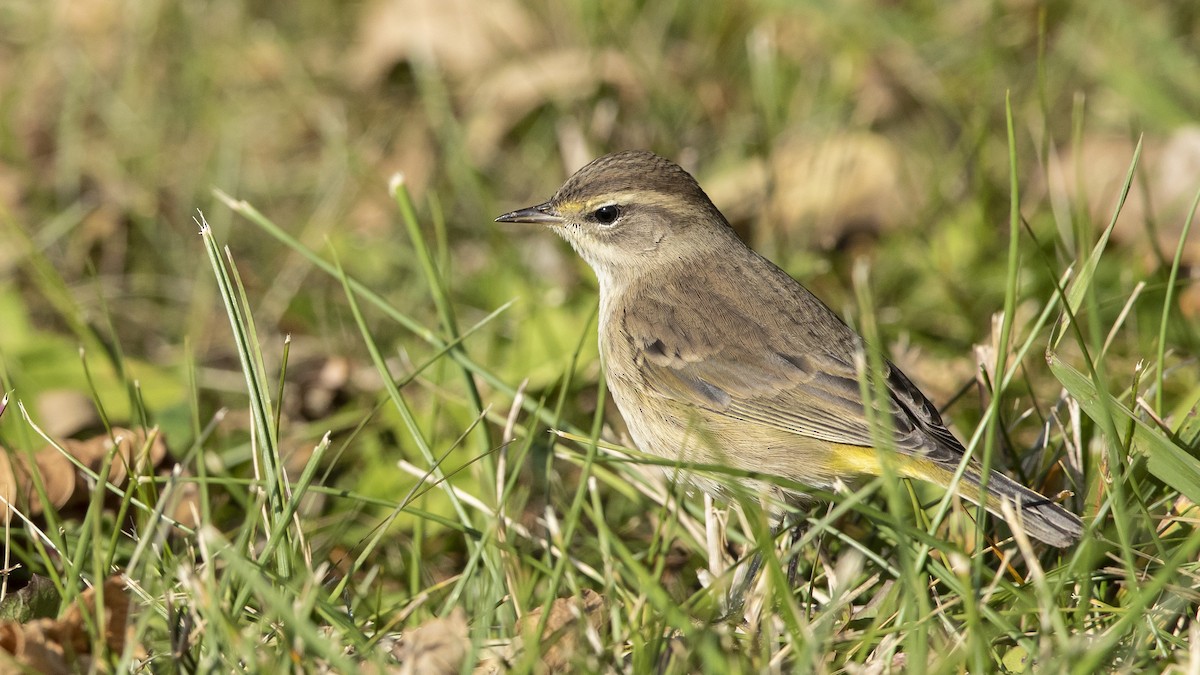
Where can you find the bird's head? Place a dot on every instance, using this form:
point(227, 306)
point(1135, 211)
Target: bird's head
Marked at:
point(630, 213)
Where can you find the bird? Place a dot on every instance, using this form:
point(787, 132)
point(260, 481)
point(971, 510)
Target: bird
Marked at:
point(716, 356)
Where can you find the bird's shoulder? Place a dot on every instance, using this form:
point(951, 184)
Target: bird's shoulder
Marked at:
point(739, 306)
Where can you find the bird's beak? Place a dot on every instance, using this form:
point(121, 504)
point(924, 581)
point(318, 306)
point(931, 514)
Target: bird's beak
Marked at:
point(542, 213)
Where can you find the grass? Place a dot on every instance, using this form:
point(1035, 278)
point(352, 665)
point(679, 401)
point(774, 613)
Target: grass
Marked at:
point(468, 465)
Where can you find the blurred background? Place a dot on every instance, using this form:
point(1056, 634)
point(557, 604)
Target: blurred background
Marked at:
point(827, 132)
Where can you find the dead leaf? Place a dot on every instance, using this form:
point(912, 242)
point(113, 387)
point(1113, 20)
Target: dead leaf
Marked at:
point(739, 192)
point(828, 189)
point(64, 645)
point(512, 92)
point(1092, 174)
point(325, 387)
point(55, 471)
point(131, 451)
point(8, 486)
point(1189, 299)
point(437, 647)
point(65, 412)
point(116, 617)
point(186, 510)
point(64, 484)
point(458, 37)
point(31, 649)
point(37, 599)
point(58, 479)
point(560, 640)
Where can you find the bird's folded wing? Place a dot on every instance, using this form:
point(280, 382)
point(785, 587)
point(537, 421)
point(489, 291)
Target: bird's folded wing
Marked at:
point(814, 396)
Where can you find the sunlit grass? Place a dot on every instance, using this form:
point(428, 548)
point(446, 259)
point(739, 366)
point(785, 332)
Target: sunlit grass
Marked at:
point(471, 460)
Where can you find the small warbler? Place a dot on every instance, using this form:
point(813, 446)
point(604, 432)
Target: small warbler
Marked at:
point(716, 356)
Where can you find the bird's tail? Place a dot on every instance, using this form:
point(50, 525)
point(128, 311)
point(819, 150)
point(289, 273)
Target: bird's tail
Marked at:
point(1040, 518)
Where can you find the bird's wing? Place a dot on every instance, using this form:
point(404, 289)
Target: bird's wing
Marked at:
point(765, 380)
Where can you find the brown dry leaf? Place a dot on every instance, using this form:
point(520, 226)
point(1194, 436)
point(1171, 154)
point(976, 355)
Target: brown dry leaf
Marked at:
point(739, 191)
point(1189, 299)
point(511, 93)
point(825, 190)
point(318, 382)
point(437, 647)
point(65, 412)
point(17, 482)
point(58, 479)
point(129, 454)
point(117, 628)
point(1024, 316)
point(560, 639)
point(326, 387)
point(8, 486)
point(63, 645)
point(186, 510)
point(459, 37)
point(64, 485)
point(1167, 180)
point(30, 649)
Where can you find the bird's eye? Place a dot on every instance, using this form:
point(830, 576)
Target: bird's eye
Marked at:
point(607, 214)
